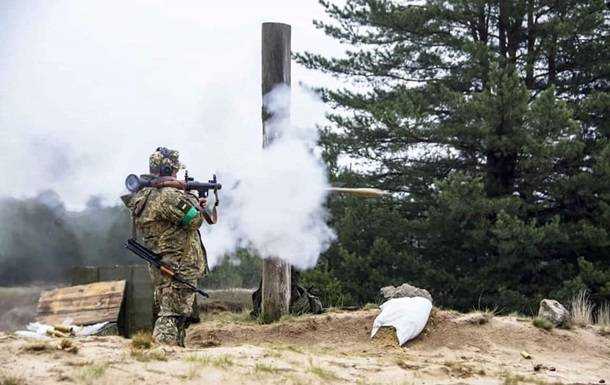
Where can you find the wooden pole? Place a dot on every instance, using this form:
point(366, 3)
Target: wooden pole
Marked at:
point(275, 71)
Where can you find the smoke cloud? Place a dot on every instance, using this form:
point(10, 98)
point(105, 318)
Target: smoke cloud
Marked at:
point(90, 89)
point(276, 195)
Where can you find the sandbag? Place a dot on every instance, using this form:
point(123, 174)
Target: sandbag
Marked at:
point(407, 315)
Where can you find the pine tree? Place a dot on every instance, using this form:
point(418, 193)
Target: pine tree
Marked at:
point(489, 120)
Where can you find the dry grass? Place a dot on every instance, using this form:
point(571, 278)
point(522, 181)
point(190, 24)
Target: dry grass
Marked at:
point(462, 370)
point(68, 345)
point(322, 373)
point(141, 344)
point(543, 323)
point(36, 347)
point(89, 374)
point(142, 340)
point(198, 359)
point(222, 361)
point(481, 317)
point(602, 316)
point(517, 379)
point(6, 379)
point(260, 367)
point(148, 355)
point(581, 309)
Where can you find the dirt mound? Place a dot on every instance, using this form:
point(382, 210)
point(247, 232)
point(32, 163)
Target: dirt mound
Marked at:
point(445, 329)
point(333, 328)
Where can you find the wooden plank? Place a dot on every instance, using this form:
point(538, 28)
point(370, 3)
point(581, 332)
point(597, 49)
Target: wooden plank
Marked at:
point(111, 300)
point(92, 289)
point(86, 317)
point(276, 57)
point(84, 304)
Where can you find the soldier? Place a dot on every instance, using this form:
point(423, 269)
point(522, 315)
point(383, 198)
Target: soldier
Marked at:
point(167, 218)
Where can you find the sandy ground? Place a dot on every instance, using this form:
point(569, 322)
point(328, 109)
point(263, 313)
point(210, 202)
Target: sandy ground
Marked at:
point(328, 348)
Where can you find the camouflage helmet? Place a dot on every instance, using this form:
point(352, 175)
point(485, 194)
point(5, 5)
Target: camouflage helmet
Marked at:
point(164, 161)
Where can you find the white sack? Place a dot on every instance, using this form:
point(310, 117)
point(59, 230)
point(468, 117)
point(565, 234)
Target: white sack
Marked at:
point(38, 330)
point(407, 315)
point(29, 334)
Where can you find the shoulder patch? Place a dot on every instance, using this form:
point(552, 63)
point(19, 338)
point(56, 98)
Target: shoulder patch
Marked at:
point(184, 205)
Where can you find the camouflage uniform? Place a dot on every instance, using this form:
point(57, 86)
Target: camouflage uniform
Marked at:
point(167, 221)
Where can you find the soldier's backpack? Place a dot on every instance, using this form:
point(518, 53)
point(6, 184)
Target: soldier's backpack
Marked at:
point(302, 301)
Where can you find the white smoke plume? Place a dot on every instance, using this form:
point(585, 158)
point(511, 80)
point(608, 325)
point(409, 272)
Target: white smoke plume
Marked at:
point(275, 196)
point(89, 89)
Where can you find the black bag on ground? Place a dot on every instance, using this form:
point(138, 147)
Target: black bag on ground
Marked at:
point(302, 301)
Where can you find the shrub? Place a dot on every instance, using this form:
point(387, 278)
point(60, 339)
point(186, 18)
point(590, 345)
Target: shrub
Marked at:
point(543, 323)
point(142, 340)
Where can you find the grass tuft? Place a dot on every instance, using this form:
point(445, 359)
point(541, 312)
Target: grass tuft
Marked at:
point(11, 380)
point(198, 359)
point(581, 313)
point(36, 346)
point(370, 306)
point(142, 340)
point(602, 317)
point(68, 345)
point(481, 317)
point(222, 361)
point(518, 379)
point(543, 323)
point(265, 368)
point(322, 373)
point(89, 374)
point(148, 355)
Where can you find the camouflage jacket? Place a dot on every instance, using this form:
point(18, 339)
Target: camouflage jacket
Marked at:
point(167, 221)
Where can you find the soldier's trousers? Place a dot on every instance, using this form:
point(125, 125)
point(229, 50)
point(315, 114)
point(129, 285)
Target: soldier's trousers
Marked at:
point(173, 307)
point(170, 330)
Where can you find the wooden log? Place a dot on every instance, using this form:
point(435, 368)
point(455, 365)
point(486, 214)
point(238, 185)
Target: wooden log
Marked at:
point(275, 71)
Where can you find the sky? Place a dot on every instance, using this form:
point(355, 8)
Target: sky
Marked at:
point(88, 89)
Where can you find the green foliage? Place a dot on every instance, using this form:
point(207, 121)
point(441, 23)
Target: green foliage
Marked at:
point(243, 269)
point(489, 123)
point(543, 323)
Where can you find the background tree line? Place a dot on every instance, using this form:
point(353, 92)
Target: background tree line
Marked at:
point(489, 122)
point(40, 241)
